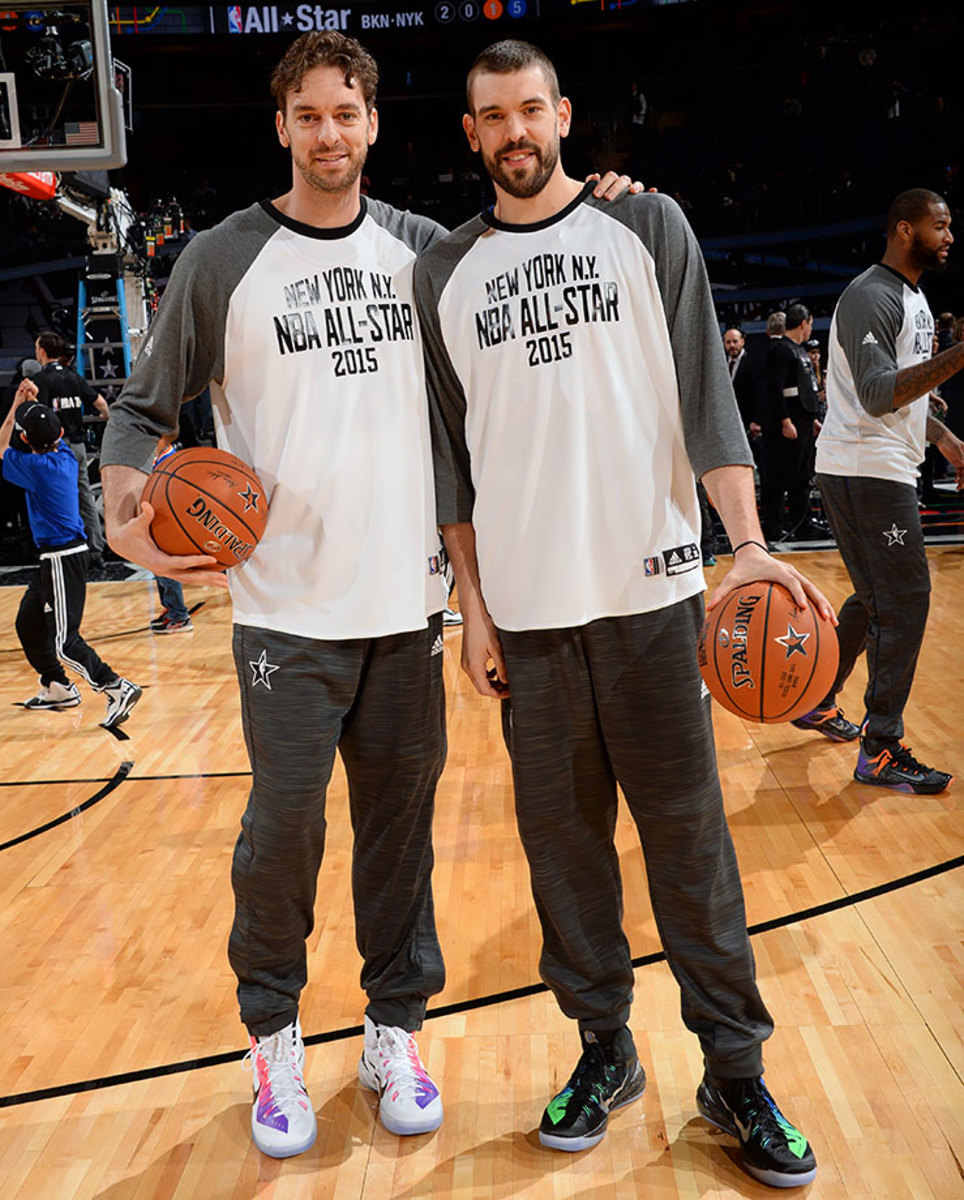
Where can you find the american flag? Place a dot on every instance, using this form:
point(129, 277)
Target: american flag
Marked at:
point(82, 133)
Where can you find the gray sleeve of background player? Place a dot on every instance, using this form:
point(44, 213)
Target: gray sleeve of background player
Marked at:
point(869, 319)
point(454, 493)
point(184, 348)
point(712, 428)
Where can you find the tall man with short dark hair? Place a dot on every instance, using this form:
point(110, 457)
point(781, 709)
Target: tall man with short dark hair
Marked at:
point(576, 359)
point(879, 375)
point(299, 314)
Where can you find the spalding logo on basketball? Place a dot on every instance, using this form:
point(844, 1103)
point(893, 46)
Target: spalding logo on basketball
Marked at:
point(206, 501)
point(764, 658)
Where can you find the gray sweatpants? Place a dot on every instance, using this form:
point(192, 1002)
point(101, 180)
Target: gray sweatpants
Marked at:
point(380, 702)
point(619, 700)
point(876, 524)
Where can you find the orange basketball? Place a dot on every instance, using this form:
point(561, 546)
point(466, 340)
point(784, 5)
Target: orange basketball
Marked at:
point(765, 659)
point(206, 501)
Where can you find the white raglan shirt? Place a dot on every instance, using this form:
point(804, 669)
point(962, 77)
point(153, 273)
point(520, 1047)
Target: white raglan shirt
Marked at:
point(578, 380)
point(310, 343)
point(881, 325)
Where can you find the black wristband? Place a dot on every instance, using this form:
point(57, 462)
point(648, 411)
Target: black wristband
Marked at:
point(750, 542)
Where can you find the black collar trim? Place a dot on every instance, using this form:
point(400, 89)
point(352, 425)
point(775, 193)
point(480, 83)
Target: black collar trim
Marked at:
point(493, 221)
point(903, 278)
point(315, 231)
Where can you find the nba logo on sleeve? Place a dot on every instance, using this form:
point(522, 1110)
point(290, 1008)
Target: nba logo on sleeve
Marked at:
point(652, 566)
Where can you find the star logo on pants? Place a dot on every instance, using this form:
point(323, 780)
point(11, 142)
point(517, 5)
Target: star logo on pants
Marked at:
point(894, 536)
point(263, 670)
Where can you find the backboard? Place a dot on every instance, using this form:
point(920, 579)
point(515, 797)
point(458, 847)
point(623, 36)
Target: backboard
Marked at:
point(60, 109)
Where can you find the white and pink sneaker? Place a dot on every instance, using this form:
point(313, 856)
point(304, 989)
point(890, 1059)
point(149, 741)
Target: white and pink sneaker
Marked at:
point(390, 1065)
point(282, 1119)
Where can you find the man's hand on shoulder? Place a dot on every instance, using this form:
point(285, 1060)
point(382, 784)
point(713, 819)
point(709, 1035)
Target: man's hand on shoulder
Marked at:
point(612, 185)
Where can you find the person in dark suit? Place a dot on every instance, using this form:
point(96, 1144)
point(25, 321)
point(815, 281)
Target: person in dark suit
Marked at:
point(745, 377)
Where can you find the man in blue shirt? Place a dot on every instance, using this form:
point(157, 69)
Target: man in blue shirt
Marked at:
point(48, 621)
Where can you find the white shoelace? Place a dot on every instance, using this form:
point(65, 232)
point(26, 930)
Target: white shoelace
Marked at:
point(284, 1069)
point(401, 1067)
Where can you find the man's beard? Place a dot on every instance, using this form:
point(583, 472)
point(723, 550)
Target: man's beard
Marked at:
point(523, 186)
point(331, 184)
point(925, 259)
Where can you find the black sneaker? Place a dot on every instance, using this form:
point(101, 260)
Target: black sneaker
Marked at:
point(607, 1076)
point(772, 1150)
point(895, 767)
point(830, 722)
point(156, 625)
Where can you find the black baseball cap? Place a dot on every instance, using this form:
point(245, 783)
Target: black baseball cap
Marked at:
point(40, 424)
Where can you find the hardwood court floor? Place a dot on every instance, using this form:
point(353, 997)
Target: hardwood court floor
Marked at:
point(113, 926)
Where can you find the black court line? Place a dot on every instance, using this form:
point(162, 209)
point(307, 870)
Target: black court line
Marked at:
point(119, 776)
point(447, 1010)
point(135, 779)
point(122, 774)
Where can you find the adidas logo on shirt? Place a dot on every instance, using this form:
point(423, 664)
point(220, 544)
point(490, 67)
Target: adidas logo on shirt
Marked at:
point(437, 646)
point(869, 339)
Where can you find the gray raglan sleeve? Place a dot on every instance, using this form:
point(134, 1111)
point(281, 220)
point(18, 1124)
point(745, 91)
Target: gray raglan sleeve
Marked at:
point(869, 317)
point(184, 348)
point(415, 231)
point(712, 427)
point(454, 493)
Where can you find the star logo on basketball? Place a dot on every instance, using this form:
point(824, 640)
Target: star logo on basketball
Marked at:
point(250, 498)
point(780, 659)
point(206, 501)
point(793, 642)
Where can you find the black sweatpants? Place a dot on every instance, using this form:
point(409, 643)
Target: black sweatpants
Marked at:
point(48, 621)
point(380, 702)
point(876, 524)
point(621, 700)
point(787, 475)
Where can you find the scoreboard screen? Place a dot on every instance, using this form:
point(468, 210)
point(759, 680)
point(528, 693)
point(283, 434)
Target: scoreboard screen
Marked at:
point(361, 18)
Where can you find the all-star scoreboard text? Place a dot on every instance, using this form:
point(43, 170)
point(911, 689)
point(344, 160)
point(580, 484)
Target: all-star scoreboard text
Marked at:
point(361, 18)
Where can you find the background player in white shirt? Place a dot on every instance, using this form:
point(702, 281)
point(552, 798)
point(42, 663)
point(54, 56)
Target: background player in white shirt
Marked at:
point(579, 381)
point(879, 376)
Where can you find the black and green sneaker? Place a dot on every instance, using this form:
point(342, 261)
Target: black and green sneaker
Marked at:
point(772, 1150)
point(607, 1076)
